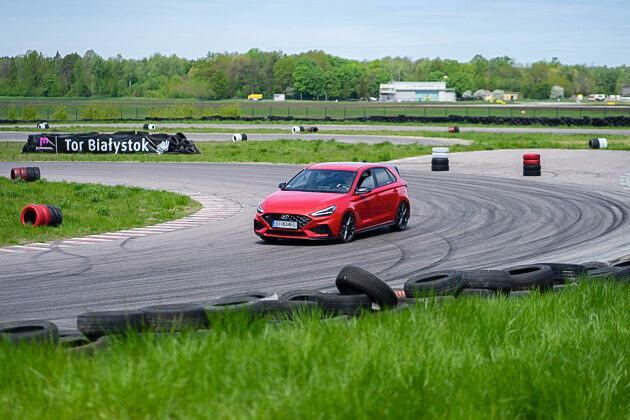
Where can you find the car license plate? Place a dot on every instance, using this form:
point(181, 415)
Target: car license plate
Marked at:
point(284, 224)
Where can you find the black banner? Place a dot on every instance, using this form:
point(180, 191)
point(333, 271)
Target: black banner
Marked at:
point(116, 143)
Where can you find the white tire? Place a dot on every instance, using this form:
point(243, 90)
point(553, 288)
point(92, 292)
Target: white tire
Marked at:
point(237, 137)
point(440, 150)
point(440, 155)
point(296, 129)
point(603, 143)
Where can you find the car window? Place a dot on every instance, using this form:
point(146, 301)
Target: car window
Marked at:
point(322, 180)
point(367, 180)
point(392, 177)
point(382, 176)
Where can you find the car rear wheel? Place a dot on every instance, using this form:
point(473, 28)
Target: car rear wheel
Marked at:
point(347, 228)
point(402, 217)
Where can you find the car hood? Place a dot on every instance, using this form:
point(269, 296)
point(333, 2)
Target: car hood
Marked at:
point(299, 202)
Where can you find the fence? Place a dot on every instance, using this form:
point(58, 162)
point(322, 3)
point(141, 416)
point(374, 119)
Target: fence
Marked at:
point(296, 110)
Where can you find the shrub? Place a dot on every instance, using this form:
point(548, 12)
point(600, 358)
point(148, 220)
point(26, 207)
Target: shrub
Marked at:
point(29, 113)
point(229, 111)
point(12, 114)
point(102, 211)
point(60, 114)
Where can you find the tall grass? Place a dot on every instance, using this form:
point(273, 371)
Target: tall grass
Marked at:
point(554, 355)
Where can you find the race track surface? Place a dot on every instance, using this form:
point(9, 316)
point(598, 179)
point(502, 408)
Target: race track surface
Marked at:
point(458, 220)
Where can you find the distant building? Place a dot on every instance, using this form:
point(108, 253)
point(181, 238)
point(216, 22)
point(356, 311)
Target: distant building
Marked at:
point(625, 93)
point(279, 96)
point(511, 96)
point(416, 92)
point(255, 97)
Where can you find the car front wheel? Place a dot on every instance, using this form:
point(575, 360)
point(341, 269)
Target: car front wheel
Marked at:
point(402, 217)
point(347, 228)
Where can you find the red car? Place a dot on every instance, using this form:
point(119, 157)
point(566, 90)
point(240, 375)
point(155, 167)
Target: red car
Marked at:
point(334, 201)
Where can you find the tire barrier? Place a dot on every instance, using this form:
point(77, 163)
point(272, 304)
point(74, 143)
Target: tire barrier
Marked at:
point(28, 174)
point(439, 159)
point(121, 142)
point(312, 129)
point(531, 164)
point(453, 129)
point(598, 143)
point(239, 137)
point(42, 126)
point(148, 126)
point(29, 332)
point(358, 289)
point(353, 280)
point(297, 129)
point(41, 215)
point(175, 317)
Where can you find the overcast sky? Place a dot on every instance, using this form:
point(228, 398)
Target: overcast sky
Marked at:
point(576, 31)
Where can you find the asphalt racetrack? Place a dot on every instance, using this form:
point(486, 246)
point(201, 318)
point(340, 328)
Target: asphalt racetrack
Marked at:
point(459, 220)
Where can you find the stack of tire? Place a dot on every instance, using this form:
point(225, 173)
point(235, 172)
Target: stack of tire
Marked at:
point(514, 281)
point(598, 143)
point(297, 129)
point(239, 137)
point(41, 215)
point(453, 129)
point(439, 159)
point(28, 174)
point(148, 126)
point(312, 129)
point(531, 164)
point(43, 125)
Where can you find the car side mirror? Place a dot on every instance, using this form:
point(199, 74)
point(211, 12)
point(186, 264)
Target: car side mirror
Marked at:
point(363, 190)
point(282, 185)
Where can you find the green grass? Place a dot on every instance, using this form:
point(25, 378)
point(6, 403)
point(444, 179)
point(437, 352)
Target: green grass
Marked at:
point(302, 151)
point(87, 209)
point(559, 355)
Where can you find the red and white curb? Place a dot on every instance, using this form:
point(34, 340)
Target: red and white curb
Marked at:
point(213, 208)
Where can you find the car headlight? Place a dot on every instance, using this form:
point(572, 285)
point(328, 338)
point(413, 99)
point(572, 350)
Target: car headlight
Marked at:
point(259, 208)
point(325, 212)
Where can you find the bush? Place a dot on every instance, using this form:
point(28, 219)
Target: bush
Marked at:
point(229, 111)
point(60, 114)
point(12, 114)
point(29, 113)
point(557, 92)
point(100, 112)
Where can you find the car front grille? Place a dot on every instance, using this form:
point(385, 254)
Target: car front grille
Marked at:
point(301, 220)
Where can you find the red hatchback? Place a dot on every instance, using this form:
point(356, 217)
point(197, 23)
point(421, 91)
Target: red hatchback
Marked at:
point(334, 201)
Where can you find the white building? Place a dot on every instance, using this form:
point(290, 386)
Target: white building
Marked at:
point(416, 92)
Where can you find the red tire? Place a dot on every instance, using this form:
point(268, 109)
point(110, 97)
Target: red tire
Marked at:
point(36, 215)
point(531, 162)
point(531, 156)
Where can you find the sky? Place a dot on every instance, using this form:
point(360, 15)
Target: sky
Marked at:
point(576, 32)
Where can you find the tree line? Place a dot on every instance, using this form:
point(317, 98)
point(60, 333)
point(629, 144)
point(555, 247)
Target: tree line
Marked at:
point(309, 75)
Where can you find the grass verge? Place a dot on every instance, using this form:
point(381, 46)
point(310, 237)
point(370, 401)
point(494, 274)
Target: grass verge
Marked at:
point(87, 209)
point(307, 151)
point(559, 355)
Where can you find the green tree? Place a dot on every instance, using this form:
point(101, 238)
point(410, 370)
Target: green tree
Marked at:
point(308, 78)
point(219, 85)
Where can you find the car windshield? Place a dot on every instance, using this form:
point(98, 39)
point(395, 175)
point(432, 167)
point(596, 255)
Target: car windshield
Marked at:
point(322, 180)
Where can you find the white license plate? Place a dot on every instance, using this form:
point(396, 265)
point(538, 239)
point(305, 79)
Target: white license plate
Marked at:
point(284, 224)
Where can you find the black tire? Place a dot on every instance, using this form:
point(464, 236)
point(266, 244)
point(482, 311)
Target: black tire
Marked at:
point(566, 272)
point(497, 280)
point(231, 304)
point(332, 303)
point(98, 324)
point(594, 265)
point(521, 293)
point(625, 263)
point(286, 310)
point(347, 228)
point(437, 283)
point(29, 332)
point(353, 280)
point(610, 273)
point(434, 300)
point(478, 292)
point(439, 168)
point(531, 168)
point(531, 173)
point(175, 317)
point(532, 276)
point(557, 288)
point(439, 161)
point(89, 349)
point(402, 217)
point(56, 217)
